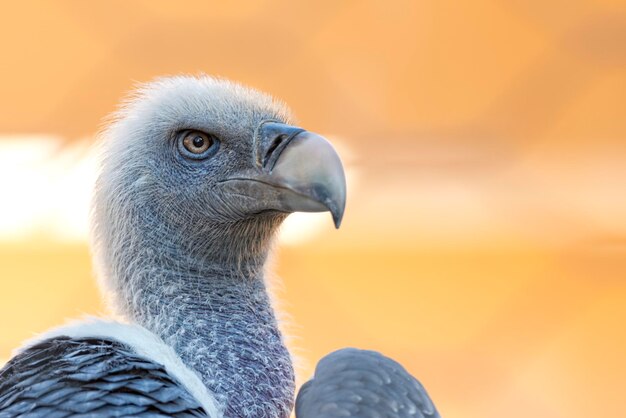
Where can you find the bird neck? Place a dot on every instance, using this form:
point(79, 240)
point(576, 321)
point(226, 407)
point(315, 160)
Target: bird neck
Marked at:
point(213, 308)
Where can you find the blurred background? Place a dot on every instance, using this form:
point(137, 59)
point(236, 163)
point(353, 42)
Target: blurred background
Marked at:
point(484, 242)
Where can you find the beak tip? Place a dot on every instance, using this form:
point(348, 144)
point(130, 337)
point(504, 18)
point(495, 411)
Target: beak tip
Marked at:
point(337, 217)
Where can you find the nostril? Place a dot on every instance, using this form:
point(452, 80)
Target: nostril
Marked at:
point(271, 139)
point(275, 144)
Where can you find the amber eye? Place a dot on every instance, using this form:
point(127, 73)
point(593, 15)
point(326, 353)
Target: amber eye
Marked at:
point(197, 142)
point(197, 145)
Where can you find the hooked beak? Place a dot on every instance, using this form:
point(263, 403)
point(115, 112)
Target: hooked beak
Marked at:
point(296, 171)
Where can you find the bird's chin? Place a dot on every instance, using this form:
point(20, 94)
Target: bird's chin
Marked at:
point(271, 215)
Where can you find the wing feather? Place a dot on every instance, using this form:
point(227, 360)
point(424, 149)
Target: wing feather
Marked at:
point(90, 377)
point(361, 383)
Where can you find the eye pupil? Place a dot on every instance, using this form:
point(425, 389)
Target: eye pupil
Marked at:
point(198, 141)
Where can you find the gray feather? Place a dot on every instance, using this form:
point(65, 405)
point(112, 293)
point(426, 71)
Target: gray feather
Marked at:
point(361, 383)
point(62, 377)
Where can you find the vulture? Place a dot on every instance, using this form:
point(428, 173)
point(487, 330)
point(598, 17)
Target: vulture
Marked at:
point(196, 176)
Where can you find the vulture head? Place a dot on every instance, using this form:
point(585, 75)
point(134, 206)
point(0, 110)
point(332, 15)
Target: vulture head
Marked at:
point(209, 169)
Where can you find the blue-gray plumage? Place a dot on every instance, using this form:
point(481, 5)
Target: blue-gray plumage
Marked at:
point(63, 377)
point(364, 384)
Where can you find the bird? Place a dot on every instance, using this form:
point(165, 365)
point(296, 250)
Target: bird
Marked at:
point(196, 175)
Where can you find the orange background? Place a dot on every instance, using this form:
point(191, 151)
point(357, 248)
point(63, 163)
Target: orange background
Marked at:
point(484, 242)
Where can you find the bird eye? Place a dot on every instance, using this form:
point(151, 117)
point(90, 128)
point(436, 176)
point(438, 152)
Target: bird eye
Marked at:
point(196, 144)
